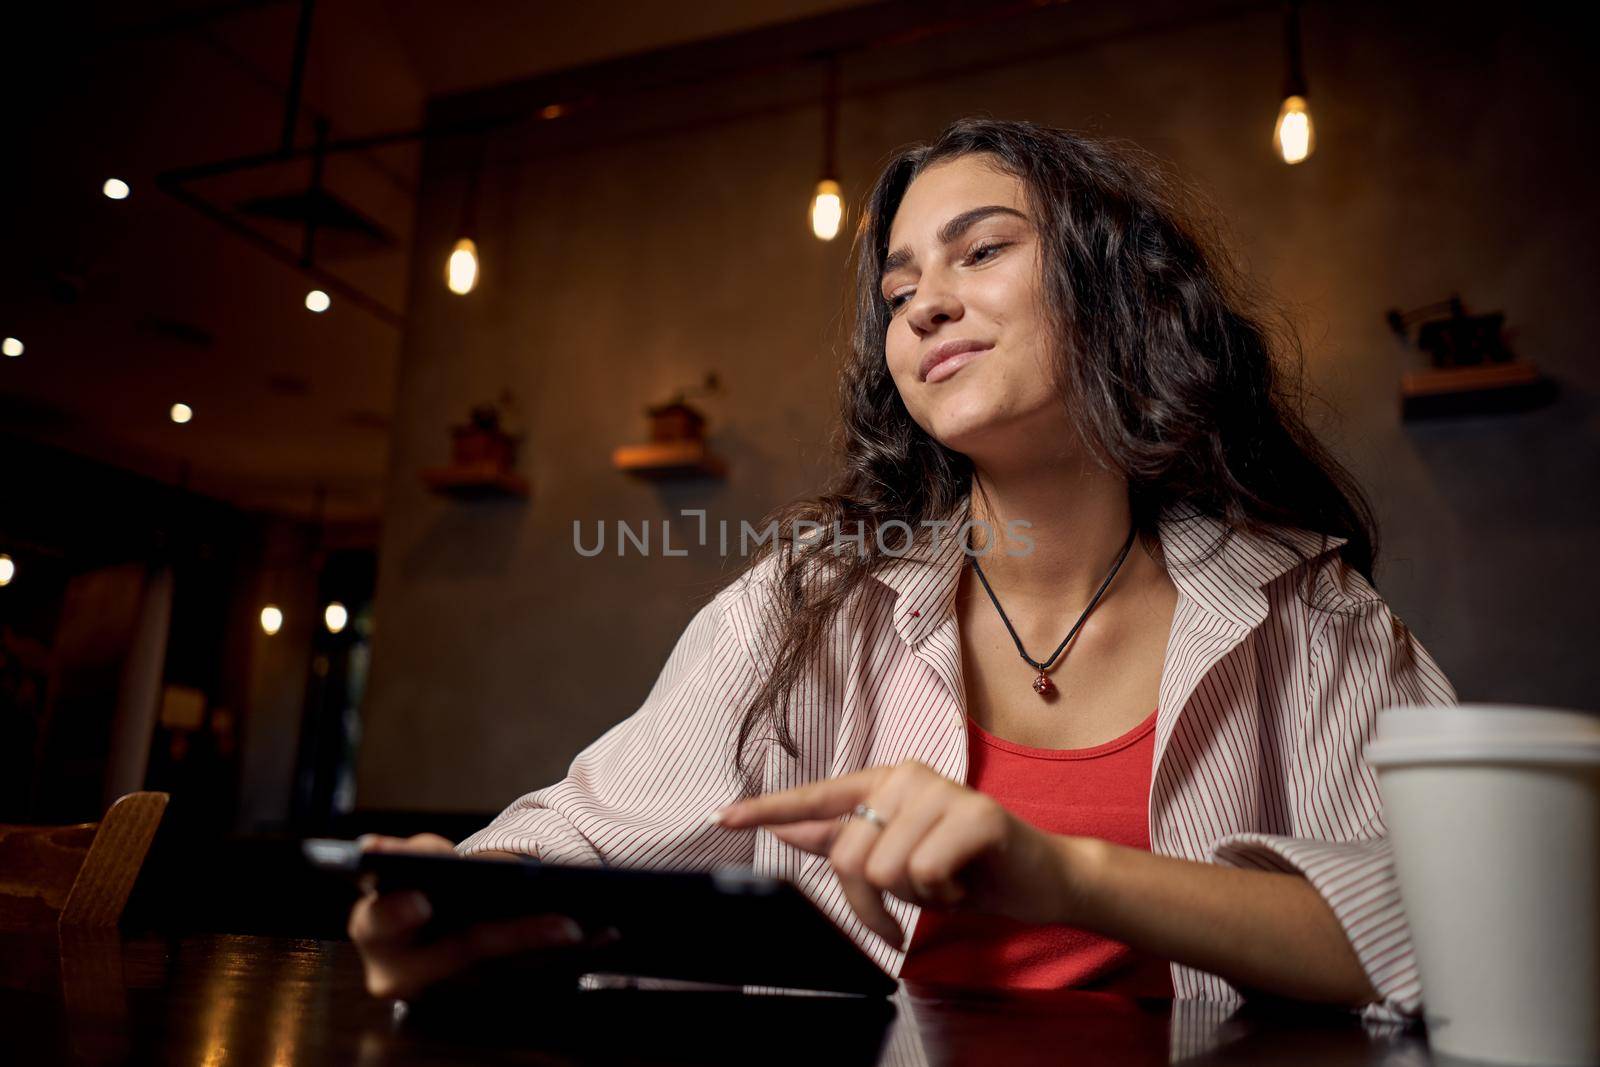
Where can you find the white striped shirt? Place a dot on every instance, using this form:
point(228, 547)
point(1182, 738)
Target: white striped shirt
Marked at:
point(1266, 708)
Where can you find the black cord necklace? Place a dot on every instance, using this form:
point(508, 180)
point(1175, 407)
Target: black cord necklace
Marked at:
point(1042, 684)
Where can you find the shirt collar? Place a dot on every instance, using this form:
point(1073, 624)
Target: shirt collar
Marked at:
point(1231, 583)
point(1224, 574)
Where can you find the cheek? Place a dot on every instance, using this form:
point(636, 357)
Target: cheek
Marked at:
point(898, 344)
point(1009, 298)
point(900, 352)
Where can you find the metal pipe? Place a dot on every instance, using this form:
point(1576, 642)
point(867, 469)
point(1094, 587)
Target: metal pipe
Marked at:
point(1295, 82)
point(297, 74)
point(314, 194)
point(830, 121)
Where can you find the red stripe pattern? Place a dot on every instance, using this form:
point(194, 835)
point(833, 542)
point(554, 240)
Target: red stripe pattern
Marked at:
point(1266, 708)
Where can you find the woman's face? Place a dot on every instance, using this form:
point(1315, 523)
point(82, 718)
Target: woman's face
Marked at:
point(963, 268)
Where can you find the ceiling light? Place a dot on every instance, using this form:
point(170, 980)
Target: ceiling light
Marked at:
point(1292, 136)
point(11, 347)
point(335, 616)
point(271, 619)
point(116, 189)
point(827, 203)
point(317, 300)
point(8, 569)
point(461, 273)
point(181, 413)
point(461, 270)
point(827, 209)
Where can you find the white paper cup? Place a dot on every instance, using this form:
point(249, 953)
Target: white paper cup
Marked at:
point(1494, 814)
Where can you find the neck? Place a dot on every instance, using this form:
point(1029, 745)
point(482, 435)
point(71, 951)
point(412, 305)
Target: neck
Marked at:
point(1077, 517)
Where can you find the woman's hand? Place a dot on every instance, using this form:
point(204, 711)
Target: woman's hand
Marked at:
point(941, 845)
point(385, 928)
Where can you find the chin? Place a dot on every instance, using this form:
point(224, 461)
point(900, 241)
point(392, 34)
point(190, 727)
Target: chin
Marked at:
point(967, 433)
point(977, 430)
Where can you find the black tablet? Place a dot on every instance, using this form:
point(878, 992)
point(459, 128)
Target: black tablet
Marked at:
point(728, 927)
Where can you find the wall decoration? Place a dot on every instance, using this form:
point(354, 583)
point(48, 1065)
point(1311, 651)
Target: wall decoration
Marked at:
point(677, 446)
point(1471, 371)
point(482, 458)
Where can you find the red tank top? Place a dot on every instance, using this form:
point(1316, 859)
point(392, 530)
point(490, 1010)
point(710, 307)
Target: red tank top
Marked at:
point(1103, 791)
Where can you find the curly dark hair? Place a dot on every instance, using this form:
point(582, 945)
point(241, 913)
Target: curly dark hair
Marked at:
point(1163, 355)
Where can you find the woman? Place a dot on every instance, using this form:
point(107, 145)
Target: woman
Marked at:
point(1057, 390)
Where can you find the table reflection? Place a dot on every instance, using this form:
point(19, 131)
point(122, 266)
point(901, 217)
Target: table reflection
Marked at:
point(219, 999)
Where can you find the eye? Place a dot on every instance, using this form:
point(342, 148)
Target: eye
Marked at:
point(981, 254)
point(992, 246)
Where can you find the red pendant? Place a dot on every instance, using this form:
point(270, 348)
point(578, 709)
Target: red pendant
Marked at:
point(1043, 685)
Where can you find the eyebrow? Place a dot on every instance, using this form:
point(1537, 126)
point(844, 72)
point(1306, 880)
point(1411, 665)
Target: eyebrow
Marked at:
point(950, 231)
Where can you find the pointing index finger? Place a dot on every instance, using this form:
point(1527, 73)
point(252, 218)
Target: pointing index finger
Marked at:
point(819, 800)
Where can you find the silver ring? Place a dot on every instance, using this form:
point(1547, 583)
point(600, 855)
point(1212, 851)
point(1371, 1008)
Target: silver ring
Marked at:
point(863, 812)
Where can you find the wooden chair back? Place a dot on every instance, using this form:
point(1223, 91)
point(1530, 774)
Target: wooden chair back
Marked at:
point(76, 876)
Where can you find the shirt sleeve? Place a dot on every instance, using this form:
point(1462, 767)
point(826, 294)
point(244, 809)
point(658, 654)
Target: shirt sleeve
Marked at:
point(1362, 659)
point(640, 795)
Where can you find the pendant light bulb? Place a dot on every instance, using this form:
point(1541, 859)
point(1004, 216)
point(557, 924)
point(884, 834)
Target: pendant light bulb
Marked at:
point(827, 209)
point(271, 619)
point(1293, 138)
point(334, 616)
point(461, 273)
point(8, 569)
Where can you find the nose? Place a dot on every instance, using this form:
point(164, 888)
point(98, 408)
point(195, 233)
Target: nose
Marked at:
point(935, 302)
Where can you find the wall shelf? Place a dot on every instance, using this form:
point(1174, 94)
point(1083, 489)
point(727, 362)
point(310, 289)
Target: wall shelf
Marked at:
point(668, 459)
point(1485, 389)
point(482, 481)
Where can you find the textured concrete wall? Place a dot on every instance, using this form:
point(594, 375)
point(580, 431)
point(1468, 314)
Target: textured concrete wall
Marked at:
point(1451, 158)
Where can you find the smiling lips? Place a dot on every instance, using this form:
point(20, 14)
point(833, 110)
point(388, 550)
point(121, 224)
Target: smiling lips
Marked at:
point(948, 357)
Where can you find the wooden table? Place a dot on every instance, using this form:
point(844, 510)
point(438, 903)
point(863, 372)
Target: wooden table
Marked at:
point(215, 1000)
